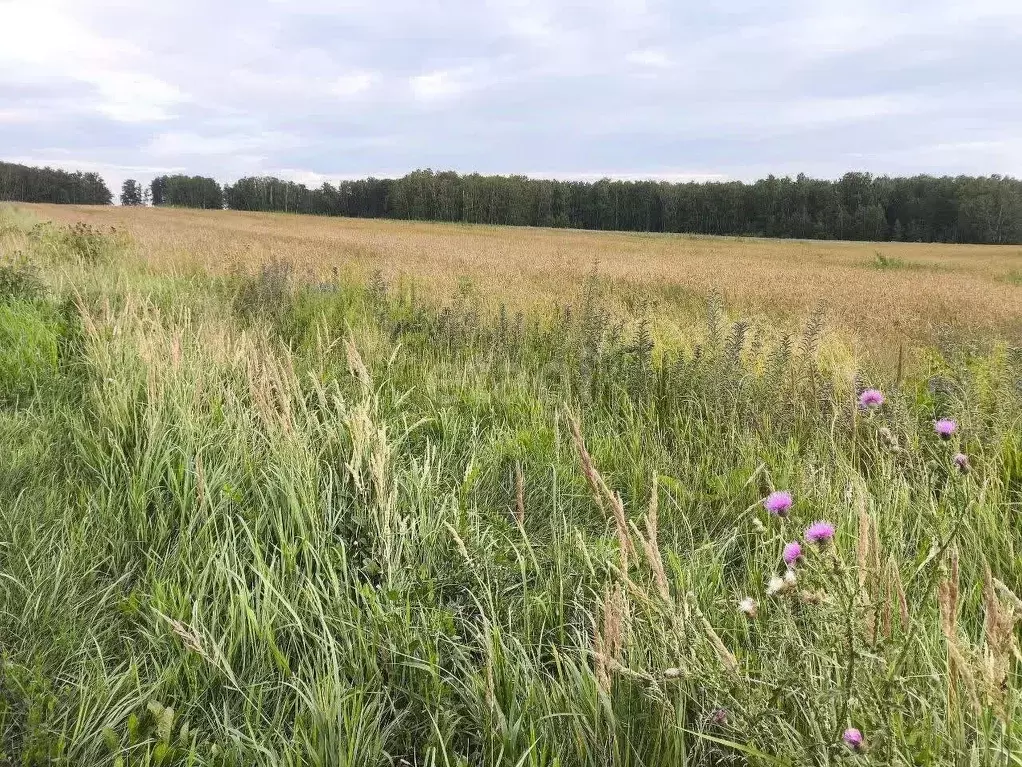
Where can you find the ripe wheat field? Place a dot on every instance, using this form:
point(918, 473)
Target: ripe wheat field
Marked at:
point(470, 501)
point(880, 293)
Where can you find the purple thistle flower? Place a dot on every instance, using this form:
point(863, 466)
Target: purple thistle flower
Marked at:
point(871, 398)
point(945, 427)
point(778, 503)
point(792, 553)
point(820, 533)
point(853, 739)
point(961, 460)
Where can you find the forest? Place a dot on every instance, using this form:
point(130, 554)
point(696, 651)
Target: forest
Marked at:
point(22, 183)
point(858, 206)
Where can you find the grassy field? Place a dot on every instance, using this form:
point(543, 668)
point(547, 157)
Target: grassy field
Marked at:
point(253, 516)
point(876, 294)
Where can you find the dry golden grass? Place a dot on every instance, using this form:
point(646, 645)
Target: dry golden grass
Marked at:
point(971, 289)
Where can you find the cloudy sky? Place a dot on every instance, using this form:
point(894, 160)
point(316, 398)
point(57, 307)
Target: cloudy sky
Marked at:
point(327, 89)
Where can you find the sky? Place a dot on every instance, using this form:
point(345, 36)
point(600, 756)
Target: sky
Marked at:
point(670, 89)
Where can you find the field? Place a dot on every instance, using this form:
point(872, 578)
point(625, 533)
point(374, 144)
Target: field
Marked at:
point(469, 500)
point(876, 294)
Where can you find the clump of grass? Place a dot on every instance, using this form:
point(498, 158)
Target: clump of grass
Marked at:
point(884, 261)
point(20, 281)
point(79, 242)
point(268, 295)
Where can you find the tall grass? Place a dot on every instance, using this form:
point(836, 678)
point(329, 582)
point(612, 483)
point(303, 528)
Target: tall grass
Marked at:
point(258, 520)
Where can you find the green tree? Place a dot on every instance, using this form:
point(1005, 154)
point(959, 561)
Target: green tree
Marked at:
point(131, 192)
point(187, 192)
point(857, 206)
point(23, 183)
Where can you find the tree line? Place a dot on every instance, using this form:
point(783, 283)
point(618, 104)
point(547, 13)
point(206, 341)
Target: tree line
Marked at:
point(858, 206)
point(22, 183)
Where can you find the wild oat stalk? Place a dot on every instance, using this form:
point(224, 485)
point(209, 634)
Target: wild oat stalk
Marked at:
point(608, 500)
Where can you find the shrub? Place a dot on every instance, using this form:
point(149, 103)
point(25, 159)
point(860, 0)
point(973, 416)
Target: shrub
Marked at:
point(79, 242)
point(20, 281)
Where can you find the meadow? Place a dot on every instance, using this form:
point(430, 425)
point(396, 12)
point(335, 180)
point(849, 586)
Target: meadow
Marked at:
point(280, 490)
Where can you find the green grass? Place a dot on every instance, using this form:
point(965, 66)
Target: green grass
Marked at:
point(252, 521)
point(883, 262)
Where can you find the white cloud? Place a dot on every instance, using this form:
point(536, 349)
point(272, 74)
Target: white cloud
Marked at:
point(673, 176)
point(20, 115)
point(313, 178)
point(992, 155)
point(441, 84)
point(308, 177)
point(187, 143)
point(42, 34)
point(134, 97)
point(56, 158)
point(971, 146)
point(527, 20)
point(352, 84)
point(44, 41)
point(650, 57)
point(816, 112)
